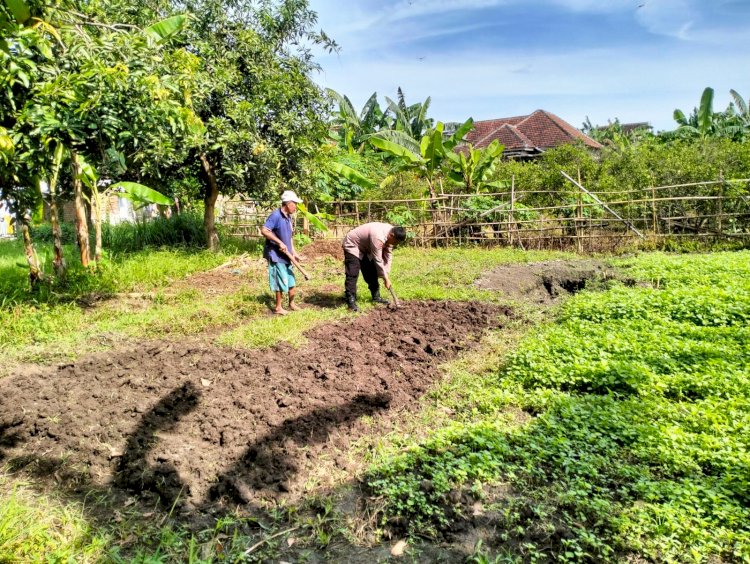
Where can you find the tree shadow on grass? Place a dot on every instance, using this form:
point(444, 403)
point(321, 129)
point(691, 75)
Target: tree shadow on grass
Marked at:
point(325, 299)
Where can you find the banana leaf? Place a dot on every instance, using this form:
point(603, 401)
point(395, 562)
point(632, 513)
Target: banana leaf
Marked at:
point(140, 194)
point(352, 175)
point(166, 28)
point(312, 218)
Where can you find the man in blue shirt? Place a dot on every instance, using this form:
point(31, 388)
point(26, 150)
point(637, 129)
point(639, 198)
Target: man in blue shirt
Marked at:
point(278, 231)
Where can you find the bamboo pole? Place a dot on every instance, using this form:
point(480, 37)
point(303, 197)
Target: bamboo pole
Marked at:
point(510, 209)
point(605, 206)
point(721, 201)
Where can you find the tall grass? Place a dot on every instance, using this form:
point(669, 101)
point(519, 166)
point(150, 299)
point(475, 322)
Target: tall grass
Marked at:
point(180, 230)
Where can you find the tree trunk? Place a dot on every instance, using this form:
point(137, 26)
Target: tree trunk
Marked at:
point(58, 262)
point(35, 272)
point(82, 228)
point(212, 193)
point(96, 220)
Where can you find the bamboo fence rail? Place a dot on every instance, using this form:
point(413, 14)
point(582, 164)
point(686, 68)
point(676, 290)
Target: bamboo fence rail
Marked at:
point(575, 218)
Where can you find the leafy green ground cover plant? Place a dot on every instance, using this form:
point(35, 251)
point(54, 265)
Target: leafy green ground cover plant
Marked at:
point(635, 437)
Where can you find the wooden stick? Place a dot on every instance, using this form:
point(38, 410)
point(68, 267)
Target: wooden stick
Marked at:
point(605, 206)
point(265, 540)
point(393, 295)
point(296, 263)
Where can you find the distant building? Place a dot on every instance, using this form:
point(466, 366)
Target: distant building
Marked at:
point(7, 228)
point(627, 127)
point(526, 137)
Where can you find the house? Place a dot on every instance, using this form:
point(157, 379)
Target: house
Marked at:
point(7, 228)
point(526, 137)
point(627, 128)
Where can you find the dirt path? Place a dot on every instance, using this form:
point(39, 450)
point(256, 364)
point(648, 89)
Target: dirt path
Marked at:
point(204, 423)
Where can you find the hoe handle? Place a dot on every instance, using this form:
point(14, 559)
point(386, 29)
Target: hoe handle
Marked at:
point(296, 263)
point(393, 295)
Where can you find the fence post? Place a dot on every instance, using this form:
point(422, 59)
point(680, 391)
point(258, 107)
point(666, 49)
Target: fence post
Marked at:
point(721, 202)
point(655, 216)
point(510, 211)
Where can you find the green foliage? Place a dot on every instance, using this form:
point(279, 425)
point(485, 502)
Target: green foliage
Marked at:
point(636, 434)
point(139, 194)
point(427, 156)
point(471, 168)
point(180, 230)
point(42, 233)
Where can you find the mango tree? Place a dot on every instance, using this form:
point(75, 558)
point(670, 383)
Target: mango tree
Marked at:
point(101, 99)
point(24, 42)
point(254, 92)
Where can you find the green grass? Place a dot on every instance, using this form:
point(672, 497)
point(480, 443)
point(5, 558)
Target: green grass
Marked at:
point(38, 528)
point(51, 322)
point(444, 274)
point(621, 428)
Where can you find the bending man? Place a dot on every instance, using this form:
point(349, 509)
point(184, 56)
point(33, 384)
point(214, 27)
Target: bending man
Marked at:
point(278, 231)
point(369, 249)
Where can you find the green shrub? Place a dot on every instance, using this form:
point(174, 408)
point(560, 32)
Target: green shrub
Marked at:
point(42, 233)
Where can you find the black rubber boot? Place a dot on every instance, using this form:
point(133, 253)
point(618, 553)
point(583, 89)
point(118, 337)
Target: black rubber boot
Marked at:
point(352, 302)
point(377, 299)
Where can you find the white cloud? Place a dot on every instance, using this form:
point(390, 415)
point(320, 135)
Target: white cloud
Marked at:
point(673, 18)
point(599, 83)
point(642, 81)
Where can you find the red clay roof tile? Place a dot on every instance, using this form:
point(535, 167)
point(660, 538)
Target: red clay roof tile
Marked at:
point(541, 129)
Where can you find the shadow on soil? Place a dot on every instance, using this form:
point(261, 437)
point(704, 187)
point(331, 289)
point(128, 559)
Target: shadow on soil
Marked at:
point(199, 431)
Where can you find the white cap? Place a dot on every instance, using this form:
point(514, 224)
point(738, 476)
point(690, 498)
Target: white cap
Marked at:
point(290, 196)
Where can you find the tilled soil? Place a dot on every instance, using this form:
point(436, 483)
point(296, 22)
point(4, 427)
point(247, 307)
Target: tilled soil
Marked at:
point(199, 423)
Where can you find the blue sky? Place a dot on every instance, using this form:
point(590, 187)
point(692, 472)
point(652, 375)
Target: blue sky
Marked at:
point(636, 60)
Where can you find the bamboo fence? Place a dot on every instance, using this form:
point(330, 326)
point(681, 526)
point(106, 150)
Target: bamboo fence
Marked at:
point(574, 218)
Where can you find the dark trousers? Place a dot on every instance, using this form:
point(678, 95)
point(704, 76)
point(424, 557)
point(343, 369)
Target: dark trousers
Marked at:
point(353, 265)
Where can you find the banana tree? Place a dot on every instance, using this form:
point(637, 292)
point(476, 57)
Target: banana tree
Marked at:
point(411, 119)
point(701, 123)
point(137, 193)
point(428, 157)
point(740, 116)
point(470, 168)
point(351, 129)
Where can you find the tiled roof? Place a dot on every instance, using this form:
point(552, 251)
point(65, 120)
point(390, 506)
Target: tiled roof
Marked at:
point(509, 136)
point(539, 130)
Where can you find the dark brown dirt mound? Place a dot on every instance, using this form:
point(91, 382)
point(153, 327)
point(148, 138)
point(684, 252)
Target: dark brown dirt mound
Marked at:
point(545, 282)
point(216, 423)
point(323, 248)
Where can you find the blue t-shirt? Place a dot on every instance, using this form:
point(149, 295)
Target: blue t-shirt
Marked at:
point(281, 225)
